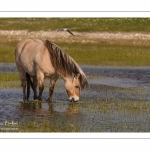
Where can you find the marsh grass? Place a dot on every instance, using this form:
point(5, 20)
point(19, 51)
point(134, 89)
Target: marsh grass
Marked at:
point(9, 80)
point(118, 106)
point(47, 126)
point(109, 55)
point(77, 24)
point(94, 54)
point(118, 115)
point(7, 52)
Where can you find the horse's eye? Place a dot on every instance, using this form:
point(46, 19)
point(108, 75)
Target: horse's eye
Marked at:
point(76, 87)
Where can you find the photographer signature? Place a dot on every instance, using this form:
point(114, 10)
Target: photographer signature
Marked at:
point(10, 123)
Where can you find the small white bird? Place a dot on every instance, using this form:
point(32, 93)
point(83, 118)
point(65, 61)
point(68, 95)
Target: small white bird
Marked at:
point(65, 29)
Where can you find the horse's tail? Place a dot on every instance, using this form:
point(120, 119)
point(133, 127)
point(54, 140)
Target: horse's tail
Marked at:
point(29, 82)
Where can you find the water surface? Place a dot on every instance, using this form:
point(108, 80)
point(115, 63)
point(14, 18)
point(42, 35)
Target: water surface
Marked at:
point(113, 102)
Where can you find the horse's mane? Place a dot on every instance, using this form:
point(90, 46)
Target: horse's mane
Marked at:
point(64, 64)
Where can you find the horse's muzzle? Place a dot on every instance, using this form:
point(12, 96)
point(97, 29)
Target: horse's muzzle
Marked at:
point(73, 99)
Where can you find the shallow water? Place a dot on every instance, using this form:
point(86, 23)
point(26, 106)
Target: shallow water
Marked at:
point(107, 105)
point(8, 67)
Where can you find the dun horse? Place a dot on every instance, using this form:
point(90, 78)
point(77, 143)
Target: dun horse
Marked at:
point(37, 59)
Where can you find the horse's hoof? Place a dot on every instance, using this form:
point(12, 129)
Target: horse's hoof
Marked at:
point(39, 98)
point(35, 98)
point(49, 100)
point(24, 98)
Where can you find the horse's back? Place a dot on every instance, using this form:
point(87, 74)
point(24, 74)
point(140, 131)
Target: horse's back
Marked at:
point(25, 53)
point(27, 42)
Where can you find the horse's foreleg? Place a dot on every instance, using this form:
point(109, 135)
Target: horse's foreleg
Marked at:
point(51, 87)
point(40, 92)
point(35, 87)
point(40, 79)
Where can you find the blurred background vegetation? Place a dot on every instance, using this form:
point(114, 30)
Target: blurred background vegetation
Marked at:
point(85, 50)
point(77, 24)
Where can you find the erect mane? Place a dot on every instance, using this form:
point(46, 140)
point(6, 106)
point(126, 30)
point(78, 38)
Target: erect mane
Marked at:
point(64, 64)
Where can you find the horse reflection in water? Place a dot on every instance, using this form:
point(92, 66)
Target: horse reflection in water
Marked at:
point(73, 108)
point(37, 106)
point(37, 59)
point(31, 105)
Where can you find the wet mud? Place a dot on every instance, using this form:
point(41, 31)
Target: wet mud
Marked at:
point(107, 85)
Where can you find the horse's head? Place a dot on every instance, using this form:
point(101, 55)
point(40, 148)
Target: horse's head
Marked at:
point(73, 88)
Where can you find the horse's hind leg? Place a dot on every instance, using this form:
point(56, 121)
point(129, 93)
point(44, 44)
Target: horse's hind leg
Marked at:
point(24, 89)
point(40, 79)
point(35, 87)
point(22, 75)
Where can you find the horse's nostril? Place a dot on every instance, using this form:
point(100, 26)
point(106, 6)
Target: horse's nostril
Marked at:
point(72, 100)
